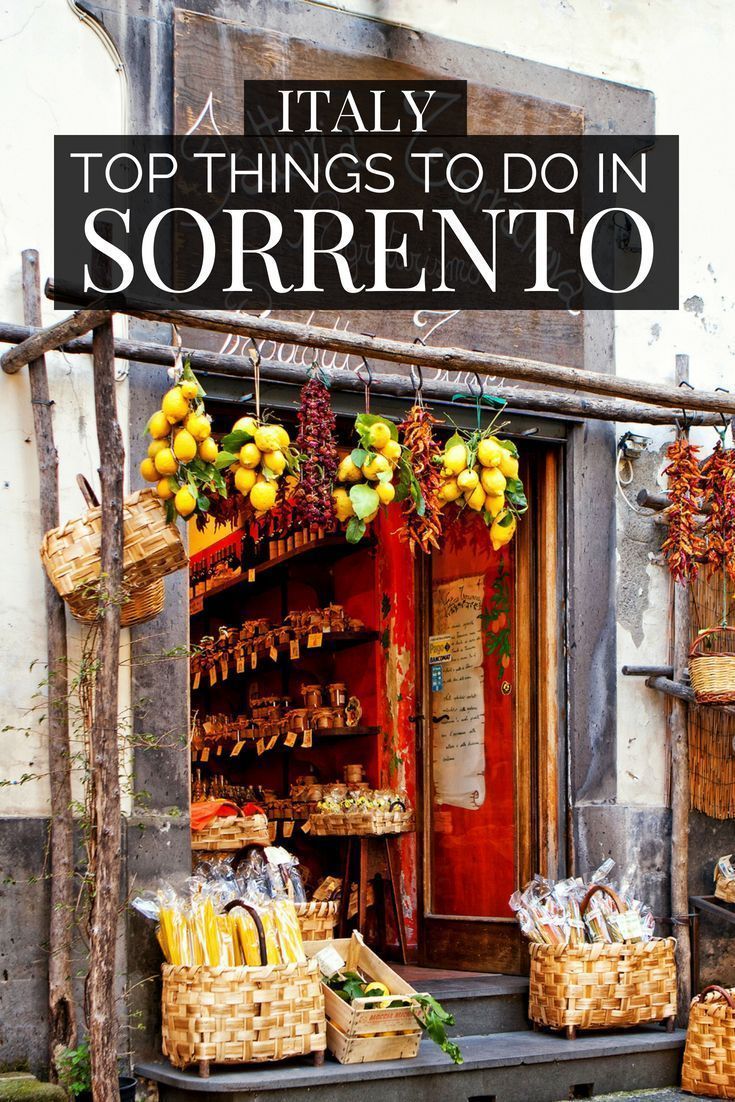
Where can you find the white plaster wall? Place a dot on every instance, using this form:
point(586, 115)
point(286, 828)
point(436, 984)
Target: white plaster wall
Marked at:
point(56, 76)
point(682, 51)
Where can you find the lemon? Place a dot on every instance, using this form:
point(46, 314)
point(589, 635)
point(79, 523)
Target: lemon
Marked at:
point(158, 425)
point(284, 440)
point(374, 466)
point(348, 471)
point(266, 438)
point(174, 405)
point(275, 461)
point(391, 451)
point(494, 504)
point(508, 464)
point(245, 479)
point(476, 499)
point(164, 490)
point(250, 456)
point(342, 504)
point(198, 425)
point(467, 479)
point(185, 502)
point(450, 490)
point(148, 471)
point(493, 480)
point(246, 424)
point(189, 389)
point(489, 452)
point(455, 458)
point(208, 450)
point(369, 519)
point(376, 988)
point(379, 434)
point(185, 446)
point(235, 467)
point(500, 534)
point(155, 447)
point(386, 492)
point(166, 462)
point(263, 496)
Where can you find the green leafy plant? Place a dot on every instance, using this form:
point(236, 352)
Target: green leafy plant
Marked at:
point(74, 1068)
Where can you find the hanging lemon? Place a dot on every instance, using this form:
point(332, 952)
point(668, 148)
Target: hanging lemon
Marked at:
point(342, 504)
point(493, 480)
point(263, 496)
point(348, 471)
point(250, 456)
point(148, 471)
point(455, 458)
point(245, 479)
point(275, 461)
point(185, 446)
point(164, 489)
point(379, 435)
point(208, 450)
point(166, 462)
point(159, 426)
point(185, 502)
point(246, 424)
point(502, 530)
point(174, 405)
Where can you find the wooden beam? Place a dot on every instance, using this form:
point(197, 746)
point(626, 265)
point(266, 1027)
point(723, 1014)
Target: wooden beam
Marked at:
point(660, 501)
point(648, 671)
point(545, 401)
point(61, 1009)
point(104, 751)
point(443, 359)
point(50, 338)
point(683, 691)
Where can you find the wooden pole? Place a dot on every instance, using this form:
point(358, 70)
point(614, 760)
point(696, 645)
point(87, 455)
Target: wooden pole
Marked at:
point(443, 359)
point(558, 403)
point(46, 340)
point(62, 1016)
point(104, 760)
point(662, 501)
point(680, 781)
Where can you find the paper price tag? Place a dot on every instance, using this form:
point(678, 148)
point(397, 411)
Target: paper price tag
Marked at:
point(260, 746)
point(288, 825)
point(213, 675)
point(290, 739)
point(273, 652)
point(197, 679)
point(253, 660)
point(224, 668)
point(271, 742)
point(294, 649)
point(240, 665)
point(219, 750)
point(306, 740)
point(237, 748)
point(629, 924)
point(306, 827)
point(251, 575)
point(204, 756)
point(314, 640)
point(196, 604)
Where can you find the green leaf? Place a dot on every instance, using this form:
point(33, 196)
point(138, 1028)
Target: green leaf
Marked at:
point(358, 456)
point(202, 502)
point(364, 421)
point(364, 500)
point(403, 482)
point(385, 476)
point(418, 497)
point(506, 520)
point(235, 440)
point(225, 459)
point(455, 438)
point(509, 447)
point(269, 475)
point(355, 530)
point(518, 501)
point(514, 486)
point(170, 510)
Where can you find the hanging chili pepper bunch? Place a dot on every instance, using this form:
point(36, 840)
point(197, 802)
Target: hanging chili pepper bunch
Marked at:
point(480, 472)
point(183, 459)
point(311, 502)
point(368, 470)
point(258, 454)
point(718, 483)
point(684, 547)
point(423, 459)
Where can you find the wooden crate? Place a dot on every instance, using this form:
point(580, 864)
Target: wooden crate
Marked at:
point(364, 1030)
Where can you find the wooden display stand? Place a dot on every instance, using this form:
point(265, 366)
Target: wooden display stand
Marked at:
point(356, 851)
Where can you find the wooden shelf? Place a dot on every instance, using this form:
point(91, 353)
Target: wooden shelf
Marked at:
point(330, 547)
point(317, 735)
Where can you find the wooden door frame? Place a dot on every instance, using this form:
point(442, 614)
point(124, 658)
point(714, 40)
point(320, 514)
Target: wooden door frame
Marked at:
point(474, 942)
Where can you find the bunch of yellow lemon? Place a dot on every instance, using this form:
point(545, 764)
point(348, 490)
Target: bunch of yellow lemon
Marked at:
point(181, 433)
point(261, 456)
point(368, 472)
point(483, 475)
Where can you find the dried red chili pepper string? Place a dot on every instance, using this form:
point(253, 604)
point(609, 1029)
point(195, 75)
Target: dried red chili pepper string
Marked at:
point(424, 457)
point(317, 442)
point(684, 547)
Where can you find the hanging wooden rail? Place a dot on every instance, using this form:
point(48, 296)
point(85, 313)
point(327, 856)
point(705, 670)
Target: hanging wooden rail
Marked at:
point(443, 359)
point(401, 386)
point(46, 340)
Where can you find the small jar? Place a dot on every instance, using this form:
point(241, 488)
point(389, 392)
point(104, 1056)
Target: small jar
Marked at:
point(323, 718)
point(354, 774)
point(281, 545)
point(298, 719)
point(298, 538)
point(290, 543)
point(340, 717)
point(312, 695)
point(337, 694)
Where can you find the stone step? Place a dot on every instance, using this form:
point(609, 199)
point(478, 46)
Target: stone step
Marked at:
point(520, 1066)
point(481, 1004)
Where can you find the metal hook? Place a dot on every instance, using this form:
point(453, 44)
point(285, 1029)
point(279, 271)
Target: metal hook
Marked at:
point(417, 379)
point(687, 420)
point(476, 394)
point(725, 420)
point(369, 381)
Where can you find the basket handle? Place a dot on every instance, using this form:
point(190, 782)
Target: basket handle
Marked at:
point(606, 891)
point(258, 925)
point(720, 991)
point(87, 492)
point(703, 634)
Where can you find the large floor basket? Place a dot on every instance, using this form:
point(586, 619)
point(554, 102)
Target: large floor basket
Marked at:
point(603, 986)
point(317, 919)
point(712, 666)
point(709, 1055)
point(242, 1015)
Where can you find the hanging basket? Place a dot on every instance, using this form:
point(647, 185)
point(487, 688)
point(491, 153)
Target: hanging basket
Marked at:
point(152, 548)
point(232, 832)
point(709, 1055)
point(317, 919)
point(712, 666)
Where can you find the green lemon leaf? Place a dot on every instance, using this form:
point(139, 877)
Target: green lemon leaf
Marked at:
point(235, 440)
point(455, 438)
point(358, 456)
point(509, 447)
point(514, 486)
point(505, 520)
point(225, 459)
point(355, 530)
point(364, 500)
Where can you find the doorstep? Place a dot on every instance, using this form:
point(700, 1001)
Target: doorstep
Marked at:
point(508, 1067)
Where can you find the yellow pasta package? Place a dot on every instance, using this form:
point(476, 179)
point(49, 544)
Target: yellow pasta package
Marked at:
point(289, 932)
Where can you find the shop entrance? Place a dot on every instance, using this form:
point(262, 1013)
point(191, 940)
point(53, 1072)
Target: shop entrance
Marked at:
point(490, 715)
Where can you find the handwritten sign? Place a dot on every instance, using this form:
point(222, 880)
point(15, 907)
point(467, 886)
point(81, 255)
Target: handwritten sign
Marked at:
point(458, 720)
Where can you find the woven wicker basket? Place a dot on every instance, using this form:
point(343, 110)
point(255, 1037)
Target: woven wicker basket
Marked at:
point(242, 1015)
point(317, 920)
point(602, 986)
point(367, 822)
point(139, 607)
point(231, 832)
point(724, 885)
point(709, 1055)
point(713, 673)
point(152, 548)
